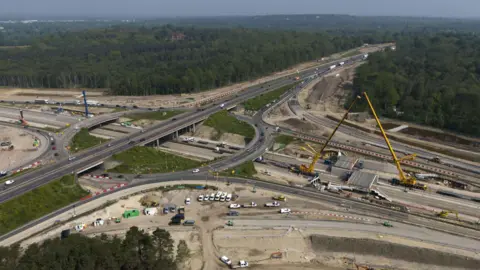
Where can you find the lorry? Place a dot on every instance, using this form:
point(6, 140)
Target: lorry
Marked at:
point(250, 205)
point(333, 66)
point(272, 204)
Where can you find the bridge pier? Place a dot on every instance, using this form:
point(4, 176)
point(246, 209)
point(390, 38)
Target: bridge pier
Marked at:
point(176, 135)
point(193, 127)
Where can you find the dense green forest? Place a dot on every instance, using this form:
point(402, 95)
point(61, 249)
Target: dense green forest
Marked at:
point(430, 79)
point(162, 60)
point(138, 250)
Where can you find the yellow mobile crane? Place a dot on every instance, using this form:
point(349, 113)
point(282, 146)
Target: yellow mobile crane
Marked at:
point(444, 213)
point(310, 169)
point(405, 180)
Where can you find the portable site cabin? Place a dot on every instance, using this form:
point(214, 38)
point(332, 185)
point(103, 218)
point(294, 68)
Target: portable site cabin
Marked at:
point(131, 213)
point(150, 211)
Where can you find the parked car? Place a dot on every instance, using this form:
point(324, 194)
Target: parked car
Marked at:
point(196, 171)
point(187, 201)
point(200, 198)
point(71, 158)
point(9, 182)
point(225, 260)
point(234, 206)
point(233, 213)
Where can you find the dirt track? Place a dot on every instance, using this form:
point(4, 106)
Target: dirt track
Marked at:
point(356, 246)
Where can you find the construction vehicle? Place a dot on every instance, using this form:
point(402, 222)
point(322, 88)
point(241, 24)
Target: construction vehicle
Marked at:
point(310, 169)
point(405, 179)
point(230, 223)
point(387, 224)
point(22, 120)
point(444, 214)
point(280, 198)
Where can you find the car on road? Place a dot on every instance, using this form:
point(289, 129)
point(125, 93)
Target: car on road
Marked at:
point(3, 173)
point(71, 158)
point(54, 148)
point(187, 201)
point(226, 260)
point(285, 210)
point(56, 154)
point(9, 182)
point(109, 144)
point(196, 171)
point(234, 206)
point(233, 213)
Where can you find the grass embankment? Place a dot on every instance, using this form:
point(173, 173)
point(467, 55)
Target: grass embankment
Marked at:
point(159, 115)
point(223, 122)
point(39, 202)
point(284, 139)
point(83, 140)
point(147, 160)
point(256, 103)
point(246, 170)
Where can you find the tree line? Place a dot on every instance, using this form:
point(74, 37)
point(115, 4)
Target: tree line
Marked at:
point(430, 79)
point(162, 60)
point(138, 250)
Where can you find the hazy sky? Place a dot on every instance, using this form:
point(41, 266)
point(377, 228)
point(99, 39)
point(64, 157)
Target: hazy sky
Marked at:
point(162, 8)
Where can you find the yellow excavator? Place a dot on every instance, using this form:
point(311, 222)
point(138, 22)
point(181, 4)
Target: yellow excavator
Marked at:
point(310, 169)
point(444, 213)
point(405, 179)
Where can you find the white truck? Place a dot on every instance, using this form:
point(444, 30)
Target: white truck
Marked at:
point(241, 264)
point(272, 204)
point(365, 56)
point(249, 205)
point(333, 66)
point(226, 260)
point(341, 63)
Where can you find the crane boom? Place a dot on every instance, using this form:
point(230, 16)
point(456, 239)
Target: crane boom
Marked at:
point(311, 168)
point(407, 181)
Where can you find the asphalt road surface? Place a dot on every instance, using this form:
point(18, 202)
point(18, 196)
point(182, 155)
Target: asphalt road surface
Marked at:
point(45, 174)
point(399, 229)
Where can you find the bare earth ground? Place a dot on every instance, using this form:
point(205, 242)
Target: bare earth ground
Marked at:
point(22, 141)
point(329, 96)
point(209, 239)
point(210, 133)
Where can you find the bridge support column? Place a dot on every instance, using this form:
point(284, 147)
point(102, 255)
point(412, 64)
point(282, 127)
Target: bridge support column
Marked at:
point(193, 126)
point(158, 142)
point(176, 134)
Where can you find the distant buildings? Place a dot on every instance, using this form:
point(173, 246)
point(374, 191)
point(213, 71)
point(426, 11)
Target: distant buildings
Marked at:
point(177, 36)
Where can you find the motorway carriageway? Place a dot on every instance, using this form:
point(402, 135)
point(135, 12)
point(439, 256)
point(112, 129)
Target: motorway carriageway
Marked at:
point(43, 175)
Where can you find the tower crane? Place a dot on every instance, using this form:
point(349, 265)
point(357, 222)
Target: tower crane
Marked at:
point(310, 169)
point(405, 179)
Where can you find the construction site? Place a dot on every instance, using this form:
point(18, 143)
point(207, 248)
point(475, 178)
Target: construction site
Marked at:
point(332, 189)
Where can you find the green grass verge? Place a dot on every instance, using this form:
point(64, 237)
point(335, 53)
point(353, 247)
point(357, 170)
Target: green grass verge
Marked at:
point(147, 160)
point(153, 115)
point(246, 170)
point(284, 139)
point(83, 140)
point(39, 202)
point(256, 103)
point(223, 122)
